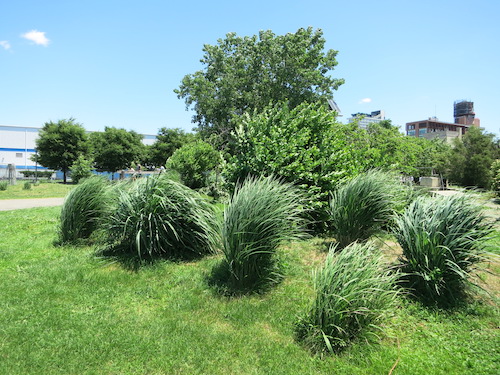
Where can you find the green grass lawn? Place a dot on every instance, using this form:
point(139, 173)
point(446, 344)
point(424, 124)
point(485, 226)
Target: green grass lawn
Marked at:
point(43, 190)
point(64, 311)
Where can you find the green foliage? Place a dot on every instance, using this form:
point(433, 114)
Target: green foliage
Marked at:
point(304, 145)
point(471, 159)
point(84, 206)
point(81, 169)
point(167, 142)
point(59, 145)
point(33, 174)
point(215, 187)
point(495, 173)
point(442, 240)
point(157, 217)
point(246, 74)
point(352, 294)
point(261, 214)
point(27, 185)
point(3, 185)
point(391, 150)
point(194, 161)
point(116, 149)
point(361, 206)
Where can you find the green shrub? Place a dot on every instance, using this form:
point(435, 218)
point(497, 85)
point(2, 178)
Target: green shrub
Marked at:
point(260, 215)
point(352, 294)
point(27, 185)
point(3, 185)
point(81, 169)
point(305, 145)
point(495, 174)
point(82, 209)
point(158, 217)
point(442, 239)
point(360, 207)
point(194, 161)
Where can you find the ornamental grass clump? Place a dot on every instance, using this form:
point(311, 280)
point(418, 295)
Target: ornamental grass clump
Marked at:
point(262, 213)
point(157, 217)
point(353, 292)
point(82, 210)
point(362, 206)
point(443, 240)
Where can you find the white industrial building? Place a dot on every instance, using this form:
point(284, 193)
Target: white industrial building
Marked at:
point(18, 144)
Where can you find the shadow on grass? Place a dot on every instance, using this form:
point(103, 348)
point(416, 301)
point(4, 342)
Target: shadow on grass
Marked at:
point(224, 283)
point(134, 262)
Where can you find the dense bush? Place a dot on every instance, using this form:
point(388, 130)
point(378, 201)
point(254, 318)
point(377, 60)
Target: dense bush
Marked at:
point(352, 293)
point(305, 146)
point(194, 161)
point(260, 215)
point(472, 157)
point(158, 217)
point(27, 185)
point(84, 206)
point(3, 185)
point(361, 206)
point(495, 175)
point(81, 169)
point(442, 241)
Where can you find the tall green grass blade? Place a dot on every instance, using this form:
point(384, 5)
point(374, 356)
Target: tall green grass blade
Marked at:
point(353, 293)
point(443, 241)
point(84, 206)
point(159, 217)
point(262, 214)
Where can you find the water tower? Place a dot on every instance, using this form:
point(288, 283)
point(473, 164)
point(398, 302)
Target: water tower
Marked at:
point(464, 112)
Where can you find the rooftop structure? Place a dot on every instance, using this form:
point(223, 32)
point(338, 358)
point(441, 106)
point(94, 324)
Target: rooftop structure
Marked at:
point(463, 111)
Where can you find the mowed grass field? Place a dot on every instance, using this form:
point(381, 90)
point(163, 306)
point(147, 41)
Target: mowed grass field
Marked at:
point(65, 311)
point(42, 190)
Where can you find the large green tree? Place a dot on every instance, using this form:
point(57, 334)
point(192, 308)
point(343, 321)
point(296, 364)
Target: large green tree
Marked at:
point(472, 157)
point(59, 144)
point(116, 149)
point(167, 141)
point(245, 74)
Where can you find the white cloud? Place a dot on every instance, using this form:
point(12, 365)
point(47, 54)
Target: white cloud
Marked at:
point(37, 37)
point(365, 100)
point(5, 44)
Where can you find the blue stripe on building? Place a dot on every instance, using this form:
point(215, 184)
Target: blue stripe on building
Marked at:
point(17, 149)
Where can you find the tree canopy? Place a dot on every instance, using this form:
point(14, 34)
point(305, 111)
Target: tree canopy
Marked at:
point(116, 149)
point(472, 157)
point(60, 144)
point(167, 141)
point(244, 74)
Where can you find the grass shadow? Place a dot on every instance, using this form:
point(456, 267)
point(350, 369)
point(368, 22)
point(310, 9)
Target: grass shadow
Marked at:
point(223, 283)
point(134, 262)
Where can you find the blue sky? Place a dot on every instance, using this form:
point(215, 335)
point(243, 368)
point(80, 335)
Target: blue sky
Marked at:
point(116, 63)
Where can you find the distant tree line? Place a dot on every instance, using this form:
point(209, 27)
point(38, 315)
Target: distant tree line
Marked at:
point(261, 108)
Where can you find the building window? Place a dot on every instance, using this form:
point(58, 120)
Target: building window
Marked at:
point(19, 154)
point(411, 132)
